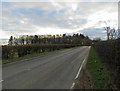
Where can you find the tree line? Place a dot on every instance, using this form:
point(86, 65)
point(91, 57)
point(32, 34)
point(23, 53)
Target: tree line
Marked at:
point(50, 39)
point(26, 44)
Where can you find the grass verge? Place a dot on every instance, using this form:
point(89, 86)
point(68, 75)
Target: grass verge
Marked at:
point(97, 70)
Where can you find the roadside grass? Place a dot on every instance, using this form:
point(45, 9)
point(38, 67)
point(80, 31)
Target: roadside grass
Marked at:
point(5, 61)
point(98, 70)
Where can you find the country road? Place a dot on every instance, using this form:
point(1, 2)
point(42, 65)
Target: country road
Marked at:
point(55, 70)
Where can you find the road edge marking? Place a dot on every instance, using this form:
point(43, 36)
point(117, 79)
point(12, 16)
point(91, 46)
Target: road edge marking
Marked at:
point(1, 81)
point(78, 73)
point(82, 65)
point(80, 69)
point(73, 84)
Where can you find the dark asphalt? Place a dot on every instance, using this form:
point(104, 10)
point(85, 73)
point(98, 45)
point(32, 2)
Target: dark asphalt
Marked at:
point(52, 71)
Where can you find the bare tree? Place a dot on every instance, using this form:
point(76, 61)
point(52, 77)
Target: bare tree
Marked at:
point(111, 32)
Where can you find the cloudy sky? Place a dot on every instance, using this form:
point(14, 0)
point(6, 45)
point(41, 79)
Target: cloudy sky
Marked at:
point(52, 17)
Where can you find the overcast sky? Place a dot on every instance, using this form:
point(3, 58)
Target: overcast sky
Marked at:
point(30, 18)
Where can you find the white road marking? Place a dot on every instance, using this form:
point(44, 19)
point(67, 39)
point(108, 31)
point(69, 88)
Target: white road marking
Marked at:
point(80, 69)
point(72, 85)
point(1, 80)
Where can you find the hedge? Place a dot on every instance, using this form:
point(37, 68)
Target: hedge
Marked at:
point(109, 51)
point(9, 51)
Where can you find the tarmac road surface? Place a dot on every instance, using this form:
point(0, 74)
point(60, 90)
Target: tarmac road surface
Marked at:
point(55, 70)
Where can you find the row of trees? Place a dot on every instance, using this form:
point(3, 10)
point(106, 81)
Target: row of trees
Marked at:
point(26, 44)
point(51, 39)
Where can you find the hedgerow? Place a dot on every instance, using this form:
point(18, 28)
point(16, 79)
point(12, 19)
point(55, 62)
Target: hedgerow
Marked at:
point(109, 52)
point(9, 51)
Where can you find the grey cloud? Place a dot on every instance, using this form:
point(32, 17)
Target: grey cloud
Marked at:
point(52, 15)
